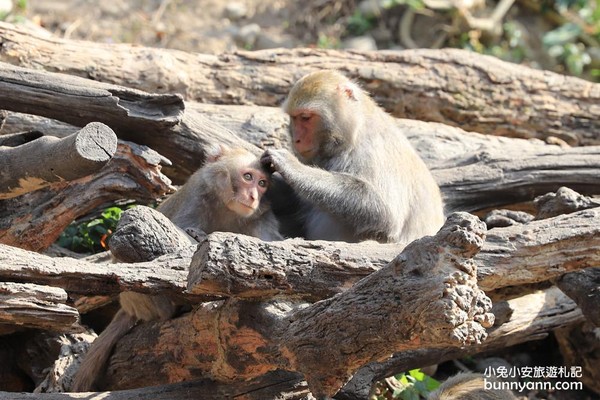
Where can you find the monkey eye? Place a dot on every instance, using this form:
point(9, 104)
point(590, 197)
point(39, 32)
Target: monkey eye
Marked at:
point(305, 117)
point(262, 183)
point(248, 176)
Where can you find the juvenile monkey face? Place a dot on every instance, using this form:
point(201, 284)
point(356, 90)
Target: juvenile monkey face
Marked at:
point(304, 125)
point(249, 185)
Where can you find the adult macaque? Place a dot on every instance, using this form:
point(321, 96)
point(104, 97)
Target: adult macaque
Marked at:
point(356, 174)
point(226, 194)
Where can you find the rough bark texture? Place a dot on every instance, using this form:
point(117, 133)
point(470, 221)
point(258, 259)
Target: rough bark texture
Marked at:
point(167, 273)
point(154, 120)
point(37, 164)
point(144, 234)
point(459, 88)
point(516, 255)
point(34, 306)
point(227, 264)
point(530, 317)
point(35, 220)
point(434, 275)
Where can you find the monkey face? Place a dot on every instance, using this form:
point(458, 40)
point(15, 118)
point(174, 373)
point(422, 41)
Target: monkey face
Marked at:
point(249, 185)
point(304, 126)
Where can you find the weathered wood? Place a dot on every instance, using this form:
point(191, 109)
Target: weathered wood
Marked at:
point(564, 201)
point(532, 317)
point(35, 220)
point(27, 305)
point(460, 88)
point(154, 120)
point(144, 234)
point(235, 265)
point(166, 273)
point(19, 138)
point(278, 384)
point(433, 276)
point(540, 250)
point(515, 255)
point(46, 160)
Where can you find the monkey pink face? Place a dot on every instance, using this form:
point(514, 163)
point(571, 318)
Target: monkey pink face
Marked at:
point(304, 124)
point(251, 185)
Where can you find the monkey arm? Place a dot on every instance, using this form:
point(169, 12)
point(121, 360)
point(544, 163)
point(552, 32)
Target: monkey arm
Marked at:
point(348, 198)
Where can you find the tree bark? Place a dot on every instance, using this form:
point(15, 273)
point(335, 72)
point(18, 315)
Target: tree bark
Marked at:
point(154, 120)
point(530, 317)
point(459, 88)
point(517, 255)
point(165, 274)
point(434, 279)
point(35, 220)
point(46, 160)
point(231, 265)
point(28, 305)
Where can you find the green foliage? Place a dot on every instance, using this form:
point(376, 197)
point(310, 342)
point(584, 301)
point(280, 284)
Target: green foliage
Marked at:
point(91, 236)
point(359, 24)
point(413, 385)
point(327, 42)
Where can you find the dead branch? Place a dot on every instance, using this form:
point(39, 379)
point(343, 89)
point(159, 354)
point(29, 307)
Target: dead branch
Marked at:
point(455, 87)
point(530, 317)
point(433, 275)
point(46, 160)
point(33, 306)
point(35, 220)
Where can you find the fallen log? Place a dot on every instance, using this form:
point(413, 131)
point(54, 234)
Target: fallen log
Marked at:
point(455, 87)
point(28, 305)
point(245, 267)
point(434, 278)
point(530, 317)
point(231, 265)
point(35, 220)
point(154, 120)
point(46, 160)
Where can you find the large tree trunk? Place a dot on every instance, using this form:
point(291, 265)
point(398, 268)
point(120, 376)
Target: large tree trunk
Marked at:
point(459, 88)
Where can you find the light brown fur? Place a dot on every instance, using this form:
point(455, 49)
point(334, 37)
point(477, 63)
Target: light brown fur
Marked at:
point(355, 172)
point(218, 197)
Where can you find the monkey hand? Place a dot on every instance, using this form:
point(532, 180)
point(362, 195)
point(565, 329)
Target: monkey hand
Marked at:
point(280, 160)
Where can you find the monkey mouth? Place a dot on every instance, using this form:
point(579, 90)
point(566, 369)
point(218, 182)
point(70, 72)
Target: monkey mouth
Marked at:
point(307, 154)
point(249, 206)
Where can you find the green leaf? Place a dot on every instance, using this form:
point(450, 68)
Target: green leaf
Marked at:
point(561, 35)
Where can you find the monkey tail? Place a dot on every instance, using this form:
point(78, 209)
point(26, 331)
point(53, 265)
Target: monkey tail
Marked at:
point(96, 357)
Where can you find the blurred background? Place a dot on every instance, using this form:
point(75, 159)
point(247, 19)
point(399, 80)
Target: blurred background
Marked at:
point(558, 35)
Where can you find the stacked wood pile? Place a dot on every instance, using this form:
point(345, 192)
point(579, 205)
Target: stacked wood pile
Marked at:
point(293, 318)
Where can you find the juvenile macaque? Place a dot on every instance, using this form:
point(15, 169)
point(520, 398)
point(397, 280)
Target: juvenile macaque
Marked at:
point(356, 174)
point(226, 194)
point(469, 387)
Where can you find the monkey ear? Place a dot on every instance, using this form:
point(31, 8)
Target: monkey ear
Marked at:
point(215, 152)
point(349, 90)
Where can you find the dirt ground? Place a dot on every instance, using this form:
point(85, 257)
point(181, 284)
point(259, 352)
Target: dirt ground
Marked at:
point(206, 26)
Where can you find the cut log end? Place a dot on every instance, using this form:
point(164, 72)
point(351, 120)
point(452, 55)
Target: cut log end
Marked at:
point(96, 142)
